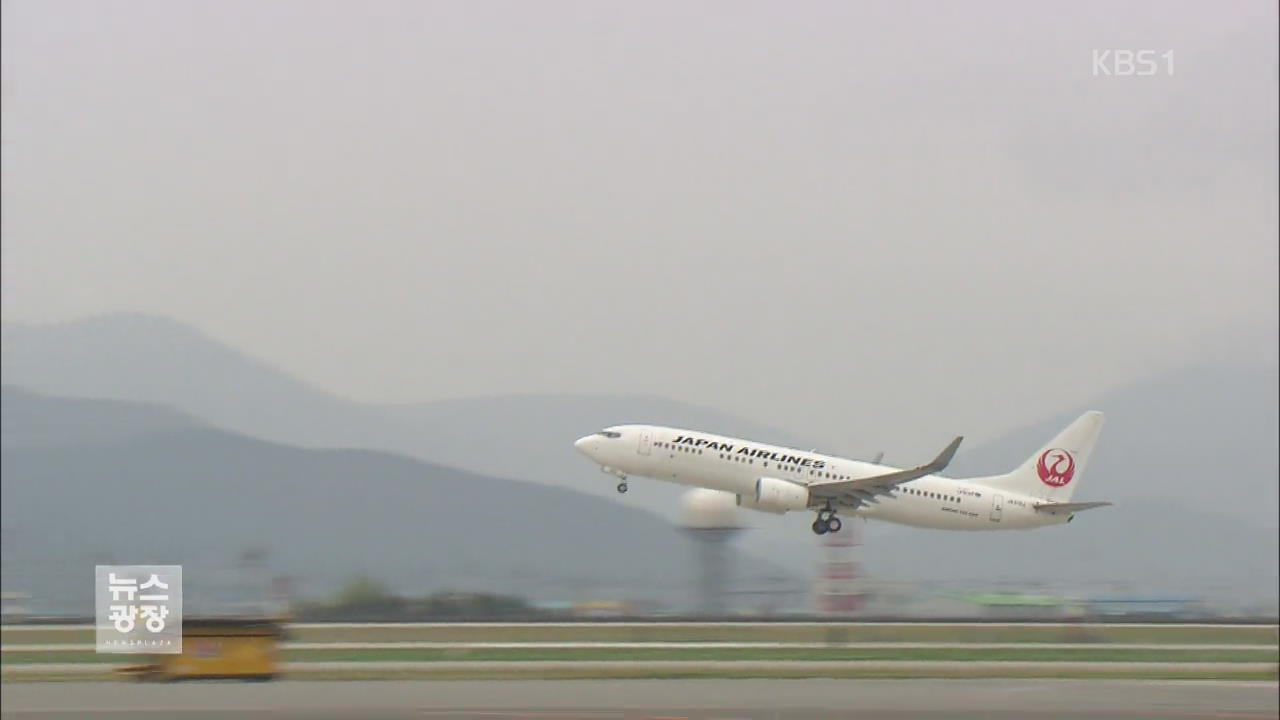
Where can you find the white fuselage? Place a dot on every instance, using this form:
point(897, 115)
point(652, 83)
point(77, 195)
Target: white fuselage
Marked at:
point(734, 466)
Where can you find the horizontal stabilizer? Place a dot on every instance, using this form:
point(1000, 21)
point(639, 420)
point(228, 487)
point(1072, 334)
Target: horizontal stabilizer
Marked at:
point(1055, 508)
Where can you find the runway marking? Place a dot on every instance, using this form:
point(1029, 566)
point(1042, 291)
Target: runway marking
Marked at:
point(726, 665)
point(1183, 714)
point(568, 715)
point(429, 645)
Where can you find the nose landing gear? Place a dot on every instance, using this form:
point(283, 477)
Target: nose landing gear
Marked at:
point(826, 522)
point(622, 486)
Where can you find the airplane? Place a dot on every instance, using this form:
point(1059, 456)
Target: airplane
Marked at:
point(778, 480)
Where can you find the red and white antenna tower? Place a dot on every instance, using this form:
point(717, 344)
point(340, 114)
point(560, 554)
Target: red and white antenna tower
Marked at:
point(839, 589)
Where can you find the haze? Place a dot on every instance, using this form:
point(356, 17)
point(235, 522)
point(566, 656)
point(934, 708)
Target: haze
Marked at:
point(866, 223)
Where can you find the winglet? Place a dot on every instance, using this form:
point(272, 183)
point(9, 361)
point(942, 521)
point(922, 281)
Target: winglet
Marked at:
point(944, 458)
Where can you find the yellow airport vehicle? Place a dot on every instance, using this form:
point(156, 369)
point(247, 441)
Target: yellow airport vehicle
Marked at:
point(218, 648)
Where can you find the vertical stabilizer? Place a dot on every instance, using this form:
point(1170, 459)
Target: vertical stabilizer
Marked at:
point(1053, 472)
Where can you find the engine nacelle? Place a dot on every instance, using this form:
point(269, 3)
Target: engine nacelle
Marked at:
point(776, 496)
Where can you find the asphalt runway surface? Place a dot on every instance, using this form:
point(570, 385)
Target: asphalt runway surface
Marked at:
point(818, 699)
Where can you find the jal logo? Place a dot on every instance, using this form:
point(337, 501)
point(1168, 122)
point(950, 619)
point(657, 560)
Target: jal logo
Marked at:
point(1056, 467)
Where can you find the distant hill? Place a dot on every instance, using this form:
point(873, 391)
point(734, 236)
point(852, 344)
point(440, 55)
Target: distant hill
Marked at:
point(1190, 456)
point(1139, 548)
point(1204, 436)
point(146, 359)
point(182, 493)
point(31, 421)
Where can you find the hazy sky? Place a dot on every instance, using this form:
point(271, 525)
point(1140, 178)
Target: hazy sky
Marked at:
point(839, 217)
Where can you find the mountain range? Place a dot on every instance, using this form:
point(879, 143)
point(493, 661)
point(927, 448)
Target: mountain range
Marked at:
point(1190, 457)
point(88, 481)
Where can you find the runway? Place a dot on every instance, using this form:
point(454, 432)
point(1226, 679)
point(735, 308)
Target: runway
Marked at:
point(650, 699)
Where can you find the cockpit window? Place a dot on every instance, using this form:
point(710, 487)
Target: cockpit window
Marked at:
point(610, 434)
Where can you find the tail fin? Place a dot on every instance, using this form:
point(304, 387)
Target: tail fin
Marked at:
point(1053, 472)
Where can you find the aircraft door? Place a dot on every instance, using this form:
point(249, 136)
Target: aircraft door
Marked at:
point(997, 507)
point(646, 442)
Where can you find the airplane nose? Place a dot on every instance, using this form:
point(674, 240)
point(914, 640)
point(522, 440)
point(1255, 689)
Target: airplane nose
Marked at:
point(583, 444)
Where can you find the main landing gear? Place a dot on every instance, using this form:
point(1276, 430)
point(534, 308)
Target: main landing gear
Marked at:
point(826, 522)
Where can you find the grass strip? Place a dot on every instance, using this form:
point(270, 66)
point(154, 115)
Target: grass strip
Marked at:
point(834, 633)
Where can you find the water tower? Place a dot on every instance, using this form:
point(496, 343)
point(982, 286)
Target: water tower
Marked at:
point(710, 517)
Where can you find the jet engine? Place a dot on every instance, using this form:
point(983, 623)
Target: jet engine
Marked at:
point(776, 496)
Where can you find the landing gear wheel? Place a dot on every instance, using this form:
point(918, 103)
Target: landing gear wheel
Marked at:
point(819, 527)
point(622, 487)
point(834, 524)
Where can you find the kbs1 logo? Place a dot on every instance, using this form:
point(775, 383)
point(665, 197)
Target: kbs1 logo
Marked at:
point(1132, 63)
point(1056, 467)
point(138, 608)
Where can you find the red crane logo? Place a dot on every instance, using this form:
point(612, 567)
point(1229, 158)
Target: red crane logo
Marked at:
point(1056, 467)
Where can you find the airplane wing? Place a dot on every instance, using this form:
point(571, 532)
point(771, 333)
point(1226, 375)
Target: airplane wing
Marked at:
point(1067, 507)
point(864, 490)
